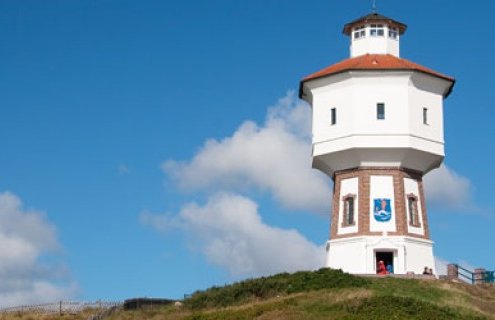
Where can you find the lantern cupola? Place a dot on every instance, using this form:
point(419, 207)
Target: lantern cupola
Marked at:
point(374, 34)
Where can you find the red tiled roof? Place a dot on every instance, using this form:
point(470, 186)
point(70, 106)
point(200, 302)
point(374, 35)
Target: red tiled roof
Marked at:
point(379, 62)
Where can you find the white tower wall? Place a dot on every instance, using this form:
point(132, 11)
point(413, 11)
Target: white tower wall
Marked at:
point(357, 255)
point(358, 138)
point(375, 44)
point(426, 92)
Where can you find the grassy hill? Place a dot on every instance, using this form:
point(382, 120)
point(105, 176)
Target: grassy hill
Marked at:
point(326, 294)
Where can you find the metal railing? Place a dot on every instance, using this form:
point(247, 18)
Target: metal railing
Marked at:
point(478, 276)
point(489, 276)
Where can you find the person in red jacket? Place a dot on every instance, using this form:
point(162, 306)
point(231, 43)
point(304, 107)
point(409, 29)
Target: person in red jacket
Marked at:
point(381, 268)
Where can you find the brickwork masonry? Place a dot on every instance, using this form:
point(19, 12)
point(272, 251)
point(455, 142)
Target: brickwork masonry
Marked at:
point(363, 216)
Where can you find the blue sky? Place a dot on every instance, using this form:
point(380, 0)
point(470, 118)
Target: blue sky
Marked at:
point(109, 188)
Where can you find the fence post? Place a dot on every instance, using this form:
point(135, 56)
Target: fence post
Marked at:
point(479, 275)
point(60, 308)
point(452, 271)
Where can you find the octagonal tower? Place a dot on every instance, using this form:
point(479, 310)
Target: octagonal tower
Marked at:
point(377, 129)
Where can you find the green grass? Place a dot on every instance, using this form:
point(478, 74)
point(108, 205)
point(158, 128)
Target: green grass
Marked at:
point(267, 287)
point(299, 296)
point(324, 294)
point(353, 304)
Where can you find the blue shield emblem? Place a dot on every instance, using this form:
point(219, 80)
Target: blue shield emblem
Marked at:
point(382, 210)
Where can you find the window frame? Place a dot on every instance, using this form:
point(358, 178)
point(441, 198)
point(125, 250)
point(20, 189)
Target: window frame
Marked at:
point(393, 33)
point(333, 116)
point(359, 33)
point(380, 115)
point(377, 30)
point(413, 210)
point(349, 218)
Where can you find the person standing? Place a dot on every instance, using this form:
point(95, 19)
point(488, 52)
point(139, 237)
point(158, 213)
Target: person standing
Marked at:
point(382, 270)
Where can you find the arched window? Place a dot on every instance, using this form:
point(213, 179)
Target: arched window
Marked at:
point(349, 216)
point(412, 208)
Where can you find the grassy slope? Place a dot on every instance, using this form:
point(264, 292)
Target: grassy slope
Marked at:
point(330, 294)
point(324, 294)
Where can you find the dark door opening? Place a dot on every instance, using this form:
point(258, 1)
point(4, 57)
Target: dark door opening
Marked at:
point(387, 258)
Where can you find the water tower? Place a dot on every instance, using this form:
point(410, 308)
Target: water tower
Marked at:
point(377, 125)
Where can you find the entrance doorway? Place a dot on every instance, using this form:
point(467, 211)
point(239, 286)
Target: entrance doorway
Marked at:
point(387, 257)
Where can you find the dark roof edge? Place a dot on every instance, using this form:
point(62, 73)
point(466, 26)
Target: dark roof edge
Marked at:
point(373, 17)
point(452, 80)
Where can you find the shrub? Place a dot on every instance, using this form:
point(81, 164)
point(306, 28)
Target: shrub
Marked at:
point(266, 287)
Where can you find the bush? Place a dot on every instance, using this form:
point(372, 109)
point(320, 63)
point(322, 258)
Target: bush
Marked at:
point(267, 287)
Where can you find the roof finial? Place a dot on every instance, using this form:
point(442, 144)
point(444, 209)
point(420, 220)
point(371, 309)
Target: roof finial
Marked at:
point(373, 8)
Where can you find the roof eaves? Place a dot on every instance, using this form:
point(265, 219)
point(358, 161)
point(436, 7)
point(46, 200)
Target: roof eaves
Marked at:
point(452, 80)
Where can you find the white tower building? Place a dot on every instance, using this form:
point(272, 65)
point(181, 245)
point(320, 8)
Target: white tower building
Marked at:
point(377, 129)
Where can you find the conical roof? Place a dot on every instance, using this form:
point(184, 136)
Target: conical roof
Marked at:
point(375, 62)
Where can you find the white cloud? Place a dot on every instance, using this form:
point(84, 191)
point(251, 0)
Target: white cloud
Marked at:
point(25, 238)
point(274, 157)
point(447, 189)
point(441, 266)
point(229, 231)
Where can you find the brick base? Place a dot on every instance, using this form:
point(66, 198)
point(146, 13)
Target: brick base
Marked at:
point(363, 216)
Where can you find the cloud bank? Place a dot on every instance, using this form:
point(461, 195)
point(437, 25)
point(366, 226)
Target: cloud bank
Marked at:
point(447, 189)
point(25, 238)
point(229, 231)
point(274, 158)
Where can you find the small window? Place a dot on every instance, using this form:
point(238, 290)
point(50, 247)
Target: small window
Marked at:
point(349, 211)
point(380, 111)
point(333, 116)
point(377, 30)
point(359, 32)
point(412, 206)
point(425, 115)
point(393, 33)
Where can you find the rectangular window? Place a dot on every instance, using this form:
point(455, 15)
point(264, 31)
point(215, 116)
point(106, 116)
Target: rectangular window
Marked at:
point(350, 211)
point(425, 115)
point(380, 111)
point(393, 33)
point(412, 204)
point(377, 30)
point(333, 116)
point(359, 32)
